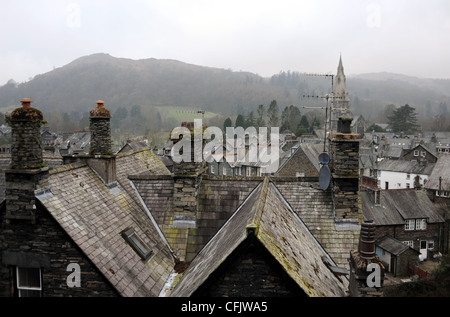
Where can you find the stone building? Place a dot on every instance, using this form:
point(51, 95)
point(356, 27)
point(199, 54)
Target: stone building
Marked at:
point(407, 216)
point(129, 227)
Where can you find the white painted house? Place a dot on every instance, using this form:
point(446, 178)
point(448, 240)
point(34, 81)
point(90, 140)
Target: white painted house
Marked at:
point(397, 174)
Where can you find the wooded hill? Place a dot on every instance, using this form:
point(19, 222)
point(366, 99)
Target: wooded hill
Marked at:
point(152, 83)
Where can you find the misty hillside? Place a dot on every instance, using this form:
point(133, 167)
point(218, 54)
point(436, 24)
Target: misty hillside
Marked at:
point(124, 83)
point(151, 82)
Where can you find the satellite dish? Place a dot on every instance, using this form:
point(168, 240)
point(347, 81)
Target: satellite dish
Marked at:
point(324, 158)
point(324, 177)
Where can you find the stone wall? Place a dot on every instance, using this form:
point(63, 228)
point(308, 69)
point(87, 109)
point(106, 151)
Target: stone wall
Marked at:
point(19, 192)
point(26, 148)
point(100, 136)
point(47, 246)
point(250, 271)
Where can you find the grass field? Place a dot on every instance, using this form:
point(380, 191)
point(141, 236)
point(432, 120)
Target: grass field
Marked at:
point(183, 113)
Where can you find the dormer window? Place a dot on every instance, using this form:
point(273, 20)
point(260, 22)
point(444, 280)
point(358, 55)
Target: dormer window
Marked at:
point(138, 245)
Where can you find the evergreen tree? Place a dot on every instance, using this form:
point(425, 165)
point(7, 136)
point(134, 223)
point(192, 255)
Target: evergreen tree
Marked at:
point(240, 121)
point(260, 122)
point(227, 123)
point(273, 113)
point(404, 119)
point(250, 121)
point(290, 119)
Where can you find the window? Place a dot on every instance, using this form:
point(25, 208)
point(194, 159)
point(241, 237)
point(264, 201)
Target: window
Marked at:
point(421, 224)
point(415, 224)
point(28, 281)
point(408, 185)
point(409, 224)
point(212, 169)
point(408, 175)
point(139, 246)
point(423, 153)
point(416, 153)
point(409, 243)
point(431, 245)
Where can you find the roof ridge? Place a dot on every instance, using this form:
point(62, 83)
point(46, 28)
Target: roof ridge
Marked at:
point(258, 208)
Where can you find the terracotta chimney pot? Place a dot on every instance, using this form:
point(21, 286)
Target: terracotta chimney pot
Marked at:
point(26, 102)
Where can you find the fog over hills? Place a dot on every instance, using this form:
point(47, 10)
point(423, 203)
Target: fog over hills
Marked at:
point(153, 82)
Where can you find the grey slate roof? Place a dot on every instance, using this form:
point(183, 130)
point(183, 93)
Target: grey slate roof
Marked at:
point(405, 166)
point(94, 216)
point(398, 205)
point(267, 215)
point(315, 207)
point(393, 245)
point(219, 198)
point(441, 169)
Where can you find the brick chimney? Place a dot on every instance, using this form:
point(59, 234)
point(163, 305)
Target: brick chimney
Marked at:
point(366, 269)
point(27, 167)
point(101, 158)
point(344, 166)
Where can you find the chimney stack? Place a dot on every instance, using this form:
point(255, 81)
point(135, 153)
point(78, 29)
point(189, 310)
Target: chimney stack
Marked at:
point(187, 178)
point(366, 245)
point(366, 269)
point(27, 167)
point(344, 165)
point(100, 130)
point(100, 158)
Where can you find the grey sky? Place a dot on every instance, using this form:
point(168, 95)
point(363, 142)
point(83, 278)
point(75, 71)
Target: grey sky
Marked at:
point(410, 37)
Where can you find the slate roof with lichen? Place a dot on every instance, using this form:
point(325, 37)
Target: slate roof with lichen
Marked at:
point(94, 216)
point(267, 215)
point(219, 197)
point(315, 207)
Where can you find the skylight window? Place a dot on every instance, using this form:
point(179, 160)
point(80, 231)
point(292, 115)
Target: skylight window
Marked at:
point(138, 245)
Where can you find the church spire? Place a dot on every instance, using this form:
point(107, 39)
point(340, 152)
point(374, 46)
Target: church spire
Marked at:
point(342, 101)
point(340, 88)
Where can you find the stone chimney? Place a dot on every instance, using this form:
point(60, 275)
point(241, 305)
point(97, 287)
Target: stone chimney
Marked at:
point(344, 166)
point(187, 178)
point(27, 167)
point(366, 269)
point(187, 175)
point(101, 158)
point(100, 130)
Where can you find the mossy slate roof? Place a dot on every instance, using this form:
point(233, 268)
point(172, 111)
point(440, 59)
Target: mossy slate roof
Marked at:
point(267, 215)
point(95, 215)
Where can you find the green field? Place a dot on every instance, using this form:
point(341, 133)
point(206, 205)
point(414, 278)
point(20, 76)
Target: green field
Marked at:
point(183, 113)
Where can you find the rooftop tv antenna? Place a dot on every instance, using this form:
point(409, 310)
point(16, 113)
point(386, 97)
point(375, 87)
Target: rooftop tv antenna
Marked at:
point(327, 97)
